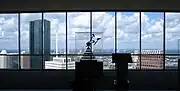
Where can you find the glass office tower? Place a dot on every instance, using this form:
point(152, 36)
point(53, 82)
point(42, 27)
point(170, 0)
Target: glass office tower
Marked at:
point(39, 43)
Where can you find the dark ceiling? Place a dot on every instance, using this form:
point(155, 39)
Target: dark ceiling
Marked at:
point(57, 5)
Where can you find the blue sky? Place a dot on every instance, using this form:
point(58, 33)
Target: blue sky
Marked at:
point(155, 15)
point(127, 32)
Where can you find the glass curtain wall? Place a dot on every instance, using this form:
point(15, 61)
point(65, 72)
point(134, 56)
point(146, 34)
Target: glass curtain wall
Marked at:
point(56, 40)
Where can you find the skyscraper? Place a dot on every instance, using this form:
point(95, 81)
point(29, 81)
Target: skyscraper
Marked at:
point(39, 43)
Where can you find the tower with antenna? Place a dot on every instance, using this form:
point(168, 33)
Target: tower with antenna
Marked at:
point(57, 43)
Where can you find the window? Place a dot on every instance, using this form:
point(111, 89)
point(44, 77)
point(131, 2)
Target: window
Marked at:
point(78, 34)
point(43, 41)
point(152, 38)
point(9, 41)
point(103, 26)
point(128, 34)
point(69, 60)
point(55, 30)
point(31, 40)
point(172, 39)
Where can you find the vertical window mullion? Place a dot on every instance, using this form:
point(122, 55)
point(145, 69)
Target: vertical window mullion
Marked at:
point(164, 41)
point(19, 42)
point(115, 29)
point(66, 43)
point(91, 30)
point(140, 40)
point(42, 54)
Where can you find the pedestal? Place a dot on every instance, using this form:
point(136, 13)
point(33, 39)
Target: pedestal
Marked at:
point(121, 61)
point(87, 72)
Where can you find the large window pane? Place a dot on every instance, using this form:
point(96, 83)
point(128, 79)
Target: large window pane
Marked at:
point(57, 40)
point(78, 34)
point(128, 32)
point(103, 27)
point(172, 36)
point(9, 41)
point(31, 40)
point(152, 40)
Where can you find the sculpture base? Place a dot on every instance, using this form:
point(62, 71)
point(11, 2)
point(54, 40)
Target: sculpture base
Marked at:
point(88, 68)
point(87, 74)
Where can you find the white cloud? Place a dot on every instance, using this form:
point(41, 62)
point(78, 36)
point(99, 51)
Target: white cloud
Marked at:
point(10, 25)
point(82, 21)
point(172, 29)
point(156, 27)
point(8, 29)
point(128, 29)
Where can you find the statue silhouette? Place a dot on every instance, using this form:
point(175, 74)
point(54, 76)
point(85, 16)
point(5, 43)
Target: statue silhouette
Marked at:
point(91, 41)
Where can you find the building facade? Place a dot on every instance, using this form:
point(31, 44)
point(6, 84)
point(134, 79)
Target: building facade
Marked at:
point(12, 61)
point(9, 60)
point(150, 59)
point(60, 63)
point(25, 61)
point(39, 43)
point(3, 60)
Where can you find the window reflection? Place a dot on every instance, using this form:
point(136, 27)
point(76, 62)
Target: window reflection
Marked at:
point(78, 33)
point(103, 26)
point(128, 35)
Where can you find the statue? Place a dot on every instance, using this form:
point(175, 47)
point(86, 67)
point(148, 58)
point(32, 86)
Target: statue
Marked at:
point(92, 41)
point(88, 72)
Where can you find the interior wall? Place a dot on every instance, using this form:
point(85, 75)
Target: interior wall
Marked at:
point(142, 80)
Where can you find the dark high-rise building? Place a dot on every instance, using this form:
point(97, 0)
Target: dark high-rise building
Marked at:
point(39, 43)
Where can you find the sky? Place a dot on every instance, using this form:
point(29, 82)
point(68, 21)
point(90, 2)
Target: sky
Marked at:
point(103, 26)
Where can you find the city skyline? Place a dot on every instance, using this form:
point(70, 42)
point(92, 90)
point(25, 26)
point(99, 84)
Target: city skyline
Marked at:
point(127, 29)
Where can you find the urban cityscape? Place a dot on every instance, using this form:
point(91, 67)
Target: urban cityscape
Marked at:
point(49, 37)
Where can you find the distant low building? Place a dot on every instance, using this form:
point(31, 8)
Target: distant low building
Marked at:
point(171, 65)
point(25, 61)
point(3, 60)
point(59, 63)
point(150, 59)
point(112, 66)
point(13, 61)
